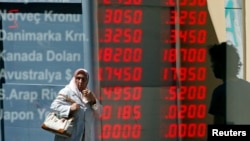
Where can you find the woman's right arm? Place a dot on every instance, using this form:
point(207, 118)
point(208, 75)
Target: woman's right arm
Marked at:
point(60, 105)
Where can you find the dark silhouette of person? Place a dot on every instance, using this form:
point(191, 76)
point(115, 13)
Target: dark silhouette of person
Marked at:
point(230, 101)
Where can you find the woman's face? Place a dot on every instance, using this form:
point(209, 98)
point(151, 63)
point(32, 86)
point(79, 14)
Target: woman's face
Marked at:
point(81, 81)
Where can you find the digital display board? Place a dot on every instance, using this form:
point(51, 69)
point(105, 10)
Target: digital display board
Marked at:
point(153, 69)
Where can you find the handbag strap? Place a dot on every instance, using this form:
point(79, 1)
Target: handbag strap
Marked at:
point(67, 98)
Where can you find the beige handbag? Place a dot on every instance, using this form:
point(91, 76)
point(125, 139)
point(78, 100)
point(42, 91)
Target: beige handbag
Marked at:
point(57, 125)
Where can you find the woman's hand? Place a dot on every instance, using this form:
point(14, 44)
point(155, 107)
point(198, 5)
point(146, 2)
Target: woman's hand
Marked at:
point(90, 96)
point(74, 107)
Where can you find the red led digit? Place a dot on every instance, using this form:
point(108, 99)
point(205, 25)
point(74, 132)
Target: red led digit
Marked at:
point(192, 92)
point(132, 55)
point(116, 132)
point(117, 16)
point(118, 93)
point(186, 36)
point(202, 36)
point(197, 111)
point(120, 131)
point(183, 92)
point(193, 55)
point(132, 93)
point(129, 112)
point(106, 114)
point(126, 131)
point(183, 16)
point(136, 131)
point(106, 54)
point(172, 112)
point(192, 2)
point(201, 74)
point(186, 2)
point(136, 74)
point(197, 92)
point(130, 2)
point(128, 36)
point(185, 73)
point(197, 17)
point(123, 16)
point(136, 36)
point(165, 74)
point(170, 36)
point(118, 35)
point(201, 2)
point(121, 73)
point(169, 55)
point(170, 74)
point(121, 35)
point(137, 93)
point(185, 54)
point(170, 2)
point(201, 130)
point(202, 18)
point(192, 17)
point(107, 92)
point(184, 130)
point(118, 73)
point(126, 112)
point(182, 111)
point(119, 54)
point(196, 2)
point(106, 1)
point(136, 112)
point(172, 91)
point(174, 73)
point(191, 130)
point(172, 131)
point(128, 93)
point(106, 131)
point(136, 18)
point(172, 17)
point(192, 73)
point(123, 2)
point(108, 33)
point(108, 16)
point(193, 36)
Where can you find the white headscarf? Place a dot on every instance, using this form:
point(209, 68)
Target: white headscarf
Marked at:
point(72, 84)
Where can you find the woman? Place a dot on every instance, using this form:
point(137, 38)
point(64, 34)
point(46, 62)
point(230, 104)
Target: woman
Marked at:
point(85, 109)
